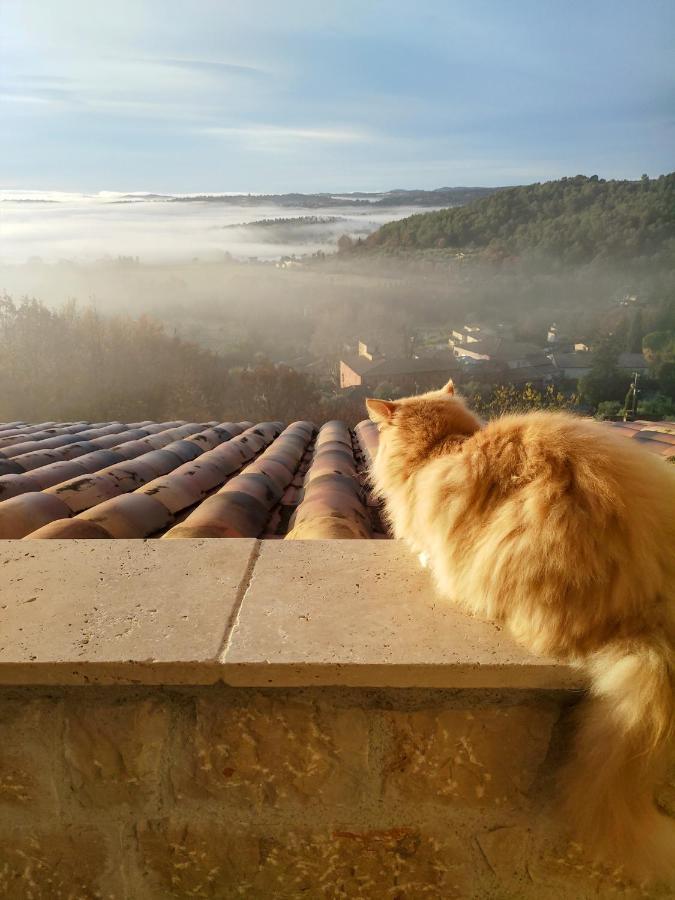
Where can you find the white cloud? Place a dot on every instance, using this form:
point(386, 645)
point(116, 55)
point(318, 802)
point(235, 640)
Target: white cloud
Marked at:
point(281, 134)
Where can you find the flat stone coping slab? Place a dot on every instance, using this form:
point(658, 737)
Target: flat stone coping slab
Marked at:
point(245, 612)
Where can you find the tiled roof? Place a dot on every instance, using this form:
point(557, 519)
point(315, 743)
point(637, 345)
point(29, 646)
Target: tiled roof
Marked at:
point(358, 364)
point(584, 359)
point(191, 479)
point(580, 360)
point(632, 361)
point(185, 479)
point(659, 437)
point(512, 350)
point(437, 362)
point(526, 374)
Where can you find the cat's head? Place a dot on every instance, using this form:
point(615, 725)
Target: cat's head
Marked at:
point(415, 429)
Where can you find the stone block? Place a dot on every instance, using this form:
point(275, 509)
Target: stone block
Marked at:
point(97, 611)
point(269, 751)
point(113, 751)
point(64, 864)
point(363, 613)
point(29, 753)
point(562, 873)
point(209, 861)
point(479, 757)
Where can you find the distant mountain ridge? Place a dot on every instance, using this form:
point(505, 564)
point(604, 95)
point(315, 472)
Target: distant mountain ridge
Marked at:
point(447, 196)
point(574, 219)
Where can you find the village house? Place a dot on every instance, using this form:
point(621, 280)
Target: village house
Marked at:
point(576, 365)
point(369, 368)
point(496, 358)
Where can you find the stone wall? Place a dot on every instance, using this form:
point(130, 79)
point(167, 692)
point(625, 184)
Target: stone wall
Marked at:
point(272, 720)
point(221, 792)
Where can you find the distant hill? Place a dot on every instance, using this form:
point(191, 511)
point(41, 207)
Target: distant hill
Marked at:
point(573, 219)
point(446, 196)
point(295, 222)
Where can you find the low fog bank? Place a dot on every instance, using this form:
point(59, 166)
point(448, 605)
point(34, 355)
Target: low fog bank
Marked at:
point(229, 341)
point(320, 308)
point(85, 229)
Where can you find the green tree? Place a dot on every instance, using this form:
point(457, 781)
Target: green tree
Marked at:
point(657, 406)
point(503, 399)
point(605, 381)
point(660, 346)
point(387, 391)
point(608, 409)
point(573, 220)
point(665, 376)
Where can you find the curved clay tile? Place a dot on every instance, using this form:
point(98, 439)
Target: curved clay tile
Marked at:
point(334, 431)
point(274, 471)
point(332, 463)
point(211, 437)
point(368, 437)
point(19, 449)
point(111, 479)
point(131, 449)
point(38, 432)
point(10, 467)
point(37, 459)
point(55, 473)
point(38, 479)
point(129, 516)
point(110, 441)
point(244, 504)
point(184, 449)
point(11, 485)
point(232, 515)
point(122, 476)
point(154, 427)
point(90, 496)
point(258, 485)
point(21, 515)
point(105, 435)
point(333, 499)
point(328, 527)
point(191, 482)
point(184, 486)
point(63, 529)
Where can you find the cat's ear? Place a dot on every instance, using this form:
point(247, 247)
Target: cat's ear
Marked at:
point(380, 411)
point(449, 388)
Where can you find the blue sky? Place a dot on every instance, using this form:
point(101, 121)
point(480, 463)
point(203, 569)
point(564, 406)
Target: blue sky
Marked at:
point(223, 95)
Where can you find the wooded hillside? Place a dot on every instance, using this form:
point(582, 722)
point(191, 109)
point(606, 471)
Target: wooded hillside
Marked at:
point(574, 220)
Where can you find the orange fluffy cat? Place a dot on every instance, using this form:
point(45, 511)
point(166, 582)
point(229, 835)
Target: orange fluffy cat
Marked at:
point(565, 532)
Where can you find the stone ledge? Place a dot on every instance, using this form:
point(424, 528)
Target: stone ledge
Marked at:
point(245, 612)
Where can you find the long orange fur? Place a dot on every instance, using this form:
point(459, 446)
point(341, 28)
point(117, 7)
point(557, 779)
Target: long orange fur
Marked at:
point(565, 532)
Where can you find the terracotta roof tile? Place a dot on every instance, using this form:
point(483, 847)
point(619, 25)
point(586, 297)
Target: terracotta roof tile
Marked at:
point(334, 502)
point(244, 504)
point(129, 516)
point(187, 479)
point(657, 437)
point(24, 514)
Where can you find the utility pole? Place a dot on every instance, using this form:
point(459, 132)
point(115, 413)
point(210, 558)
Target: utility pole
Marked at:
point(636, 376)
point(629, 414)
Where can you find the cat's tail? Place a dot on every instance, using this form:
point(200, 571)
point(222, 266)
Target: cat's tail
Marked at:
point(623, 744)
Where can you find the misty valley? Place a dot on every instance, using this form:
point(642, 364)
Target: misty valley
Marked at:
point(255, 293)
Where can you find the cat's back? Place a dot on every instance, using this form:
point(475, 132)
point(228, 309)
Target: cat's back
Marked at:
point(570, 458)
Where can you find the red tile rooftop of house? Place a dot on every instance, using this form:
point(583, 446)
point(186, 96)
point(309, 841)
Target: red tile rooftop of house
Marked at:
point(186, 480)
point(191, 480)
point(658, 437)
